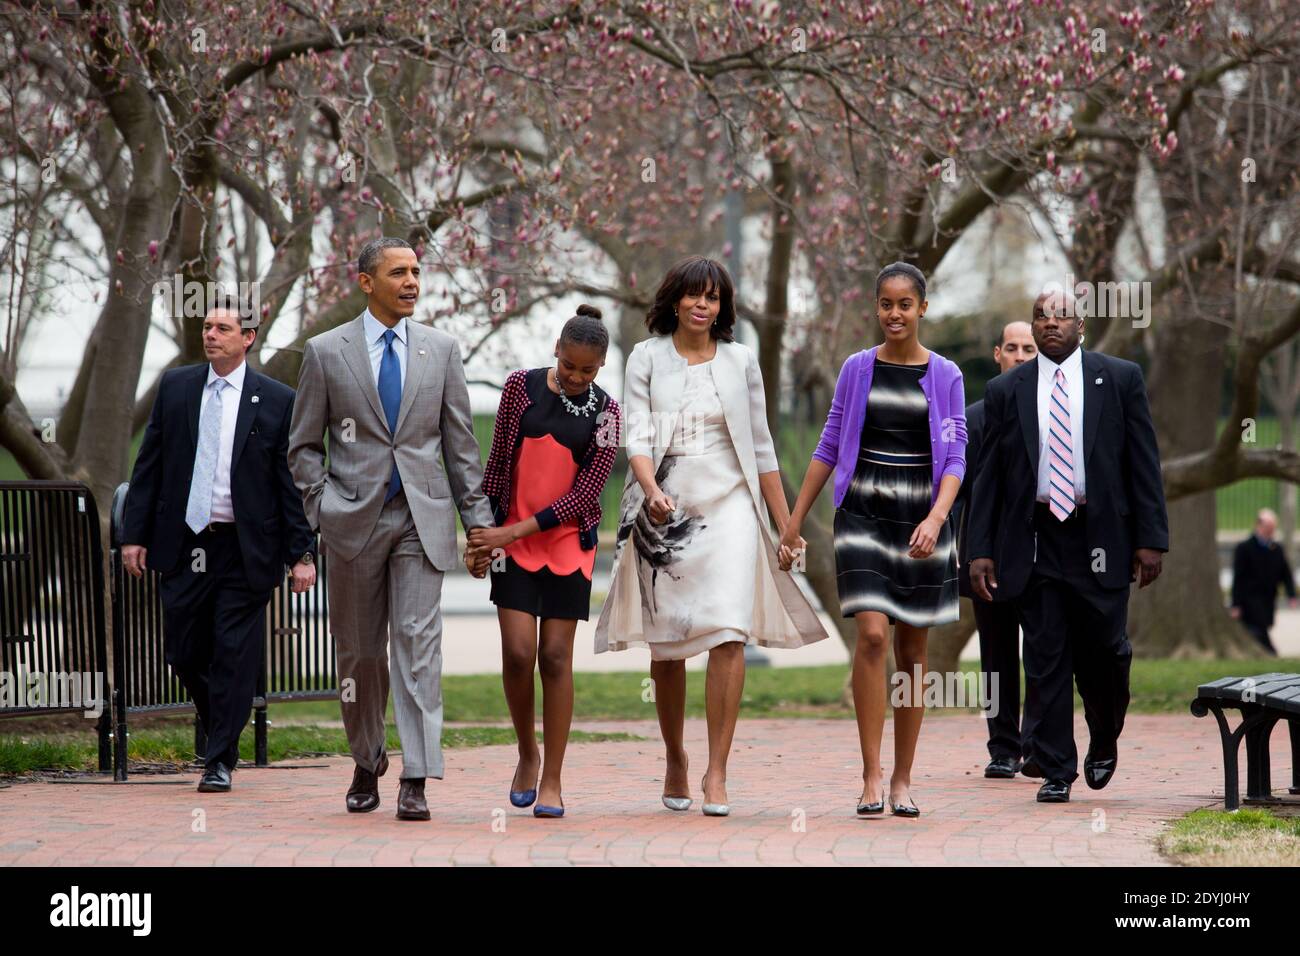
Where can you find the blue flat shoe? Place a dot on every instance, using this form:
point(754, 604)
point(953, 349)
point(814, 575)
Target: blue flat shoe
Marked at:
point(541, 810)
point(523, 798)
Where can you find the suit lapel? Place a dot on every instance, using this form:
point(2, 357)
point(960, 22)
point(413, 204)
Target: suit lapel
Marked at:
point(194, 399)
point(418, 356)
point(247, 412)
point(1093, 398)
point(1027, 408)
point(357, 359)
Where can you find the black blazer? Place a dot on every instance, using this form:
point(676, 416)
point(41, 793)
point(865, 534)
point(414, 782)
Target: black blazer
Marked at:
point(272, 528)
point(974, 444)
point(1257, 570)
point(1126, 498)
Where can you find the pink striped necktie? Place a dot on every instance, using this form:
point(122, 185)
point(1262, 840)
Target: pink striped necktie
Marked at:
point(1060, 458)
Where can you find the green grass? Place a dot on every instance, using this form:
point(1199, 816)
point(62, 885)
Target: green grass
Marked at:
point(24, 753)
point(1245, 837)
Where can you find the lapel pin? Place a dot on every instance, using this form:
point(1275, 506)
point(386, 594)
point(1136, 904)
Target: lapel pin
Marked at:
point(1098, 382)
point(421, 351)
point(255, 399)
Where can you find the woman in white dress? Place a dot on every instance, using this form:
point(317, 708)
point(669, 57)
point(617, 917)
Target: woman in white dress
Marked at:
point(695, 566)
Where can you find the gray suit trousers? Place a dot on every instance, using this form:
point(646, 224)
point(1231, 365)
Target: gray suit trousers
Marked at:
point(388, 600)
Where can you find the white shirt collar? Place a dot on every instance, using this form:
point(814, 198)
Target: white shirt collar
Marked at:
point(234, 380)
point(1072, 366)
point(375, 329)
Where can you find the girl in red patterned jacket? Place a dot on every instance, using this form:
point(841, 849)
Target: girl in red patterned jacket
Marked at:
point(555, 440)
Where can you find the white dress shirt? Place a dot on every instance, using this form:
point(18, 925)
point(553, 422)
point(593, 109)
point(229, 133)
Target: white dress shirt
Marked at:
point(222, 507)
point(1073, 369)
point(375, 344)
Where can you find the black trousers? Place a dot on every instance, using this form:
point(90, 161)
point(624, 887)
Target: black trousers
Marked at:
point(999, 633)
point(214, 629)
point(1259, 631)
point(1073, 628)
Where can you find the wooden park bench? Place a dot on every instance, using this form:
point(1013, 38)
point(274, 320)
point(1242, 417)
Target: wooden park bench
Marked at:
point(1263, 700)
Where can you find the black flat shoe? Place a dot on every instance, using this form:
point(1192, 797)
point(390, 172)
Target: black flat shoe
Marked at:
point(871, 809)
point(1054, 791)
point(1002, 768)
point(1097, 771)
point(1030, 768)
point(908, 809)
point(216, 779)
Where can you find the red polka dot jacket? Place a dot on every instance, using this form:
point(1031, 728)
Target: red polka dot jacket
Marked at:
point(582, 502)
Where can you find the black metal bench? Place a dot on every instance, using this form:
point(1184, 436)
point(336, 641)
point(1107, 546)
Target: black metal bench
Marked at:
point(1263, 700)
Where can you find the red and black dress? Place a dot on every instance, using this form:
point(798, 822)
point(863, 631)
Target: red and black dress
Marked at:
point(550, 464)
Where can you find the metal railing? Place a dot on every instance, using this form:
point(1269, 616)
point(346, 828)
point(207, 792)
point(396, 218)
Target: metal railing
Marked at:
point(298, 658)
point(52, 634)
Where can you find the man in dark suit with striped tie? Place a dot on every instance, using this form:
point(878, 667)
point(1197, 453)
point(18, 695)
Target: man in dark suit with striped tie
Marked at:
point(1067, 510)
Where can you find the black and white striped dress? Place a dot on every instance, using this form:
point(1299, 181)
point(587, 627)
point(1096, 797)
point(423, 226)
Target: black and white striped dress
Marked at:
point(889, 496)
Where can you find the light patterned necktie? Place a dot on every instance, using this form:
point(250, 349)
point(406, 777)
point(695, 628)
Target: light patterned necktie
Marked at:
point(1060, 458)
point(199, 510)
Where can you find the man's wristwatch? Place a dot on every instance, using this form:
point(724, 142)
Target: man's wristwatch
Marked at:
point(307, 558)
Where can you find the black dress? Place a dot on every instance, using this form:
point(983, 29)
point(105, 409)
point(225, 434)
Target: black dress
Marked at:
point(890, 494)
point(547, 574)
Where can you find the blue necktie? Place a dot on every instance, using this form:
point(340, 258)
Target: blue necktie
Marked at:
point(198, 510)
point(390, 394)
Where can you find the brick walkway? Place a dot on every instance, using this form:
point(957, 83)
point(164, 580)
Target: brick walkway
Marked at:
point(793, 787)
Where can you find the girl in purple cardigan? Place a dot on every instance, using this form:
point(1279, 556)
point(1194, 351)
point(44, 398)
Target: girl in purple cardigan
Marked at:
point(896, 440)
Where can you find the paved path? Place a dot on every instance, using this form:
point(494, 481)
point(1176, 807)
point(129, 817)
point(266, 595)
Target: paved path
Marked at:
point(793, 787)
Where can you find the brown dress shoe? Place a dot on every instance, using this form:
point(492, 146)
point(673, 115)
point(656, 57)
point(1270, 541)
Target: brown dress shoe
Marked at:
point(363, 795)
point(410, 801)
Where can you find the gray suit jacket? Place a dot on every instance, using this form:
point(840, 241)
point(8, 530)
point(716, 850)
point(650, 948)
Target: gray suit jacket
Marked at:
point(337, 391)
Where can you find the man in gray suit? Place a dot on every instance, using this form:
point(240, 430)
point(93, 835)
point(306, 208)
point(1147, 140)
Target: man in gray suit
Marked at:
point(392, 395)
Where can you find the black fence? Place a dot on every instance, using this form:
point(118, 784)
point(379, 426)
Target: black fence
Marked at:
point(52, 636)
point(298, 656)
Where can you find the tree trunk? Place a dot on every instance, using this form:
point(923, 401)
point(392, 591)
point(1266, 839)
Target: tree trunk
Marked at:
point(1183, 614)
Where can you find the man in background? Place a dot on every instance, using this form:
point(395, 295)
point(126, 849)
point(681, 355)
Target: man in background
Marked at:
point(998, 626)
point(1259, 565)
point(213, 509)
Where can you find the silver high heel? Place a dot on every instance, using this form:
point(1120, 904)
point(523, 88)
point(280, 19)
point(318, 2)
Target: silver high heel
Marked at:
point(715, 809)
point(677, 803)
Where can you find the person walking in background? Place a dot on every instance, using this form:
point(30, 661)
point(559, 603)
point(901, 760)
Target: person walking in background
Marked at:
point(1067, 510)
point(553, 445)
point(213, 509)
point(895, 439)
point(695, 567)
point(392, 395)
point(1259, 565)
point(998, 626)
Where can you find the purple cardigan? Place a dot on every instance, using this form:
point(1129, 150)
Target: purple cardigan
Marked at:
point(842, 436)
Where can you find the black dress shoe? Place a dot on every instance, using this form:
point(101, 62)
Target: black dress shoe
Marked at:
point(410, 801)
point(363, 795)
point(1003, 768)
point(1030, 768)
point(1097, 771)
point(1054, 791)
point(216, 779)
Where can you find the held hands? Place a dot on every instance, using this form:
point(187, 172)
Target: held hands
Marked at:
point(303, 575)
point(659, 505)
point(924, 537)
point(792, 546)
point(481, 543)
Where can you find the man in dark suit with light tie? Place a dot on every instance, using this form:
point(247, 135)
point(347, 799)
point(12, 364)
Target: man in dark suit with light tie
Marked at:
point(1068, 508)
point(213, 509)
point(997, 623)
